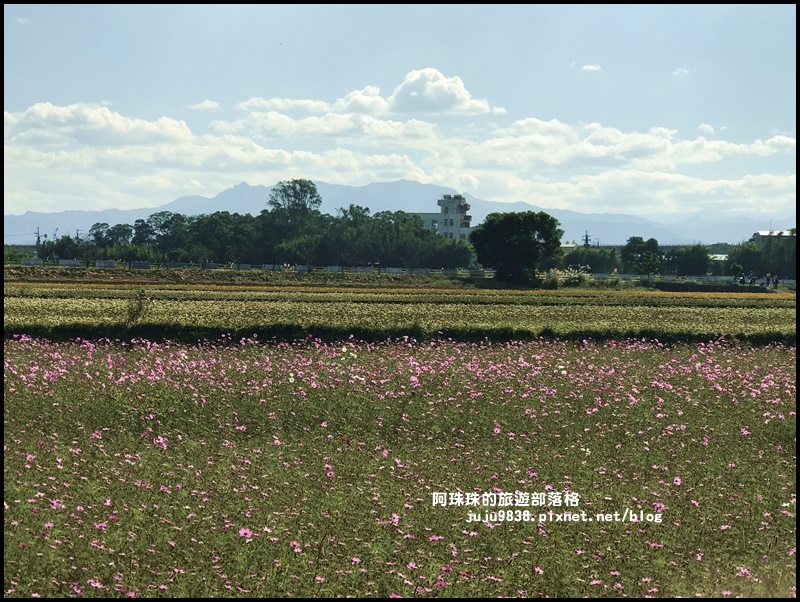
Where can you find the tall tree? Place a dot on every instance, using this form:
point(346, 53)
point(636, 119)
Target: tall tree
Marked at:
point(634, 252)
point(296, 196)
point(120, 235)
point(350, 235)
point(694, 260)
point(143, 233)
point(294, 207)
point(98, 234)
point(514, 243)
point(748, 257)
point(170, 231)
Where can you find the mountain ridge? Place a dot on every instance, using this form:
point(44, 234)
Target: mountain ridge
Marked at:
point(406, 195)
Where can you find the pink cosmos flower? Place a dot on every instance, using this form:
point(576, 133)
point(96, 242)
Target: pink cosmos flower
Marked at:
point(245, 532)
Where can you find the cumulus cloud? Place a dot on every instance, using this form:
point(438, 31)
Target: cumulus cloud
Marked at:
point(424, 92)
point(205, 105)
point(46, 123)
point(680, 72)
point(591, 68)
point(368, 100)
point(429, 91)
point(704, 128)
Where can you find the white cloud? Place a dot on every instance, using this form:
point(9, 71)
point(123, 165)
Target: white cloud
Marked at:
point(273, 123)
point(680, 72)
point(591, 68)
point(48, 124)
point(368, 100)
point(424, 91)
point(429, 91)
point(283, 104)
point(99, 158)
point(23, 21)
point(205, 105)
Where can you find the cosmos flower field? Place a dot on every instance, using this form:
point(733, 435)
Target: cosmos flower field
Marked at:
point(436, 468)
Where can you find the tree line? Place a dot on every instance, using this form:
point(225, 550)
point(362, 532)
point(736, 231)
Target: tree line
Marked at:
point(292, 230)
point(775, 256)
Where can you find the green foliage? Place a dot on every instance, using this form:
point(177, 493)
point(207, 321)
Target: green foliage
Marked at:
point(635, 252)
point(514, 244)
point(295, 196)
point(14, 253)
point(775, 255)
point(691, 260)
point(599, 261)
point(293, 231)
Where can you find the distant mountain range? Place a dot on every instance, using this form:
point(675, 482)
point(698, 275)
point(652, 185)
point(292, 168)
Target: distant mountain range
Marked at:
point(704, 227)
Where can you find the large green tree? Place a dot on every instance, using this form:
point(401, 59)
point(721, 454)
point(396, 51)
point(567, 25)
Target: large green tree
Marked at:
point(513, 244)
point(295, 195)
point(747, 257)
point(693, 260)
point(294, 206)
point(634, 252)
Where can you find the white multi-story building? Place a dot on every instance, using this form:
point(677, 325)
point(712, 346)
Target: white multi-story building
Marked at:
point(452, 220)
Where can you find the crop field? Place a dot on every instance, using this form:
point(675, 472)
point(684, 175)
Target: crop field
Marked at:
point(581, 463)
point(191, 312)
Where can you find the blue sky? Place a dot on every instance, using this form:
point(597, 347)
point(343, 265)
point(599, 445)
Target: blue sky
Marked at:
point(652, 110)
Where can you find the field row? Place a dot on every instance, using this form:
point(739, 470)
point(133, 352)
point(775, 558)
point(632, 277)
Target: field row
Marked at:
point(412, 295)
point(563, 320)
